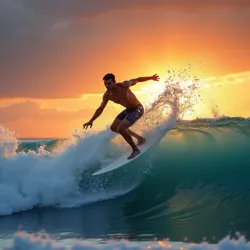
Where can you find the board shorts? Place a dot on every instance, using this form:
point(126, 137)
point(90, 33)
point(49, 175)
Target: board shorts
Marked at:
point(131, 114)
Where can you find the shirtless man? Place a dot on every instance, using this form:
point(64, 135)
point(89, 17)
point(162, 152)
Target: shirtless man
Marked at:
point(120, 93)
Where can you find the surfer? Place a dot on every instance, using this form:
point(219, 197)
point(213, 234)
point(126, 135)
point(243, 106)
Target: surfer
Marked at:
point(120, 93)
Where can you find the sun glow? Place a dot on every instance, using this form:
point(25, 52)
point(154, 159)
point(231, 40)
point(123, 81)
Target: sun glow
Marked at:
point(150, 92)
point(187, 91)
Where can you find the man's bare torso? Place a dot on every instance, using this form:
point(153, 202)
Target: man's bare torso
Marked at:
point(123, 96)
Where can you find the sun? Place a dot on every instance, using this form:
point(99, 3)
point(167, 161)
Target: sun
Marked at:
point(150, 92)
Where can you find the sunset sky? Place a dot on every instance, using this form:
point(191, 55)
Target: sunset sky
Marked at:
point(54, 53)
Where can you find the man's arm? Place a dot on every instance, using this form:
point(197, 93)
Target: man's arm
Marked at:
point(98, 112)
point(127, 84)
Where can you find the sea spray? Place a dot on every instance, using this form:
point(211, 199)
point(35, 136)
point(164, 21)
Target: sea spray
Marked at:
point(32, 179)
point(8, 143)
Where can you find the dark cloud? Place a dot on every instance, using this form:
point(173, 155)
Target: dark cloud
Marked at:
point(45, 50)
point(35, 51)
point(32, 110)
point(65, 8)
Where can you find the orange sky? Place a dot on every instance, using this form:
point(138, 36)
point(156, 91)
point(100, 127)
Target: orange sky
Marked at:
point(55, 55)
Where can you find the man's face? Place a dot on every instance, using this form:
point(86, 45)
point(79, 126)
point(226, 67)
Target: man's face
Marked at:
point(109, 84)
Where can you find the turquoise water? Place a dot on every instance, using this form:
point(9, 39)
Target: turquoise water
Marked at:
point(195, 183)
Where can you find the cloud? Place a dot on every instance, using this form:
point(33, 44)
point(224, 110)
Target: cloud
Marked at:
point(87, 96)
point(34, 111)
point(36, 53)
point(237, 78)
point(229, 79)
point(65, 8)
point(56, 49)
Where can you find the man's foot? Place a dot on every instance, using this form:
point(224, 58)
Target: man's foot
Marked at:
point(134, 154)
point(141, 141)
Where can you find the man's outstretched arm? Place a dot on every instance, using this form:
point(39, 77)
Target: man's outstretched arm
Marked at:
point(132, 82)
point(98, 112)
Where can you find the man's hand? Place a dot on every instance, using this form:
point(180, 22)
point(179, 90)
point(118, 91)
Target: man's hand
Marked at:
point(155, 77)
point(85, 126)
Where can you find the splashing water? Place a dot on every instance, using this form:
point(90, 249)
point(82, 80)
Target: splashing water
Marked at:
point(43, 178)
point(8, 143)
point(177, 95)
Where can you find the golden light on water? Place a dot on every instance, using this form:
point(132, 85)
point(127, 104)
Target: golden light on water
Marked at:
point(164, 244)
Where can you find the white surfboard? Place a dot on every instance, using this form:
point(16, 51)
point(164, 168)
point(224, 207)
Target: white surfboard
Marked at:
point(122, 161)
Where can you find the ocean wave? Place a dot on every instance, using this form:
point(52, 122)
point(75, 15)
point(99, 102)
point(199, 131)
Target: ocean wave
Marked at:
point(59, 172)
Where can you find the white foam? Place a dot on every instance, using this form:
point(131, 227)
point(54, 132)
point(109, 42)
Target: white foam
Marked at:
point(24, 241)
point(31, 179)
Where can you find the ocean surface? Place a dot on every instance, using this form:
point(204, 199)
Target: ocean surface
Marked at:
point(193, 186)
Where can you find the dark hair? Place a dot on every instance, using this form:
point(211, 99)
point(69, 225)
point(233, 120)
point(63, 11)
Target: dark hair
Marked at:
point(109, 76)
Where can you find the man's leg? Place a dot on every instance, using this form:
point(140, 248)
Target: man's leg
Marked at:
point(115, 124)
point(122, 129)
point(114, 127)
point(140, 139)
point(132, 117)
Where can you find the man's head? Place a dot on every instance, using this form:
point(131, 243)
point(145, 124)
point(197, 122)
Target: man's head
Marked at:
point(109, 81)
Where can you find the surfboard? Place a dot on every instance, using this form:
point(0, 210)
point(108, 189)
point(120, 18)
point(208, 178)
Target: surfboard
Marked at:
point(151, 142)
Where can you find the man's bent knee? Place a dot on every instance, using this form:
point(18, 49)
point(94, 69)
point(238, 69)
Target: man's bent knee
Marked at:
point(121, 128)
point(114, 129)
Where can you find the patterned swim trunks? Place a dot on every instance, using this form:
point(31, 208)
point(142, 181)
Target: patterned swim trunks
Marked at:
point(131, 114)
